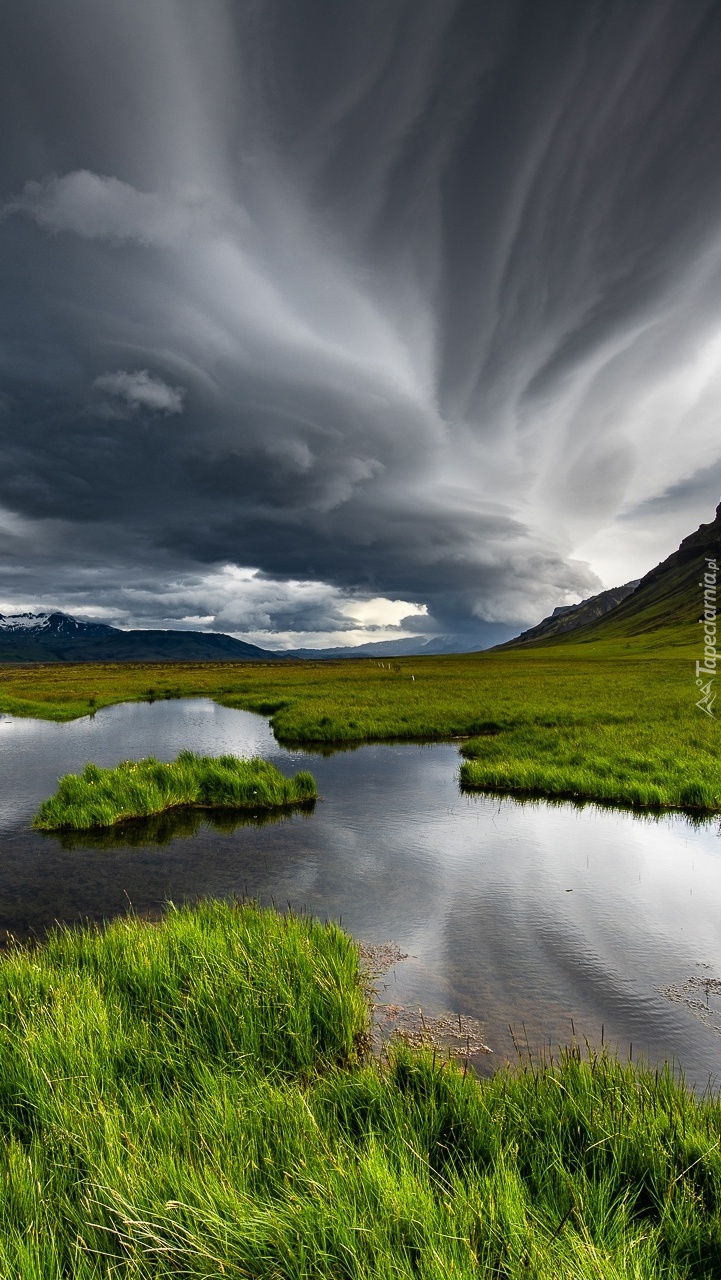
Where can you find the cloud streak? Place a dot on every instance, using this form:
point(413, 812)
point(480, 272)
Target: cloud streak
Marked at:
point(430, 290)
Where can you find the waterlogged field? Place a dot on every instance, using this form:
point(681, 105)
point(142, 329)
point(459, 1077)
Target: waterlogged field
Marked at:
point(606, 722)
point(192, 1099)
point(140, 789)
point(195, 1097)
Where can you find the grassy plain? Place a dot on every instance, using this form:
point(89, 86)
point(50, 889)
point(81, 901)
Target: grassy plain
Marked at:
point(140, 788)
point(611, 720)
point(191, 1099)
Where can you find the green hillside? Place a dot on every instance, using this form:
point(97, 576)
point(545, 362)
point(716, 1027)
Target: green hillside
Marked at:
point(664, 609)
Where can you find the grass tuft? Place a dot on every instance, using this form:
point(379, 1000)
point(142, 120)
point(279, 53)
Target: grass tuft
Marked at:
point(188, 1099)
point(140, 788)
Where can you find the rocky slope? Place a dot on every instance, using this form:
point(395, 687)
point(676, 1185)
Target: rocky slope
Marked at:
point(569, 617)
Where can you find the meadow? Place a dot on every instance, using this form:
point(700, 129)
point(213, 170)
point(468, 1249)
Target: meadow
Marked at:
point(141, 788)
point(610, 721)
point(194, 1098)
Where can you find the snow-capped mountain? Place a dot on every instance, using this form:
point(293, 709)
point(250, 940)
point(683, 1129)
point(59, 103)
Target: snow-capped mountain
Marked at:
point(47, 624)
point(58, 637)
point(23, 621)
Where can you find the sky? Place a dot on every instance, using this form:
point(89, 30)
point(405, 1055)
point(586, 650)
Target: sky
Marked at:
point(344, 320)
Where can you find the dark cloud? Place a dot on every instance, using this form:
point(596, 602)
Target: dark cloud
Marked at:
point(311, 306)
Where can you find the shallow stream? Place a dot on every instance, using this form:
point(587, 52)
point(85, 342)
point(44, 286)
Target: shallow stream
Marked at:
point(551, 918)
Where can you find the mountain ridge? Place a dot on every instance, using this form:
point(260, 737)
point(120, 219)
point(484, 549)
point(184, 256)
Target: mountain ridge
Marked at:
point(567, 618)
point(58, 637)
point(665, 605)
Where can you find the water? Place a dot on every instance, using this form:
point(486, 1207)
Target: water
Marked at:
point(543, 916)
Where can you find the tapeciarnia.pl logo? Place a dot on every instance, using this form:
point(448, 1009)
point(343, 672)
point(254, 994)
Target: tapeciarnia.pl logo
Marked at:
point(706, 670)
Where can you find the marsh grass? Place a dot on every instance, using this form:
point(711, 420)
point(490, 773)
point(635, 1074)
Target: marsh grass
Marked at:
point(606, 764)
point(613, 721)
point(140, 788)
point(189, 1099)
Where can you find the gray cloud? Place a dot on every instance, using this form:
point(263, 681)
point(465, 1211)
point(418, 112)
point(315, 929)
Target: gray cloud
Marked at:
point(430, 288)
point(125, 392)
point(104, 208)
point(99, 207)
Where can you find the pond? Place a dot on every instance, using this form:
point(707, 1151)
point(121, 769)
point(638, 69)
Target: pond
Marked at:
point(551, 918)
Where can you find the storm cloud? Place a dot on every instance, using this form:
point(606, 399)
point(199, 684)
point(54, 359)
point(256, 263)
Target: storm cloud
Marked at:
point(324, 321)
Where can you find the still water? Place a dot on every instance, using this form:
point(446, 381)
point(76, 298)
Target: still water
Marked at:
point(545, 917)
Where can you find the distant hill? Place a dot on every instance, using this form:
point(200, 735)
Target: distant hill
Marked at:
point(487, 634)
point(569, 617)
point(57, 637)
point(414, 646)
point(666, 604)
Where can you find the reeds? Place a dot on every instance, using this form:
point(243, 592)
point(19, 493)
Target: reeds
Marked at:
point(187, 1099)
point(139, 788)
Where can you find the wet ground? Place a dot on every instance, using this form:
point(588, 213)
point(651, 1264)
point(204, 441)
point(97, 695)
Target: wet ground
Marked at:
point(553, 920)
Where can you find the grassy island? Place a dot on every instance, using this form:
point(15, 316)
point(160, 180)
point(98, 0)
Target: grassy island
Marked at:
point(141, 788)
point(192, 1098)
point(612, 721)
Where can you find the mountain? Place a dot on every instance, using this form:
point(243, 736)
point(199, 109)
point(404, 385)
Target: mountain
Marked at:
point(569, 617)
point(488, 633)
point(412, 647)
point(666, 605)
point(56, 637)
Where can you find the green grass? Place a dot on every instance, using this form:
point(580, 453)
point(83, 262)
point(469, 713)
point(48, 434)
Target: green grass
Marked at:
point(140, 788)
point(612, 720)
point(188, 1099)
point(602, 763)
